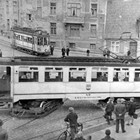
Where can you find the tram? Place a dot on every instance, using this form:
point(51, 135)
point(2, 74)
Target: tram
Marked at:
point(39, 85)
point(35, 42)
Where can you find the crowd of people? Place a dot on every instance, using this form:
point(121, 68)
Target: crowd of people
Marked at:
point(119, 109)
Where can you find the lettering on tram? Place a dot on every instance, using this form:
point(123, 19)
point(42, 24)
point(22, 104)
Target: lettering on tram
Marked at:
point(77, 74)
point(99, 74)
point(53, 74)
point(28, 74)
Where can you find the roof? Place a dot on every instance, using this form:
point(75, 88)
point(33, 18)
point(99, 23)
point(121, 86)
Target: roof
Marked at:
point(29, 31)
point(68, 61)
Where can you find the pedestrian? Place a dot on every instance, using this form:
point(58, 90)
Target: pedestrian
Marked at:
point(71, 118)
point(88, 51)
point(51, 49)
point(3, 132)
point(120, 110)
point(131, 111)
point(128, 53)
point(107, 137)
point(109, 109)
point(0, 53)
point(67, 51)
point(106, 52)
point(63, 52)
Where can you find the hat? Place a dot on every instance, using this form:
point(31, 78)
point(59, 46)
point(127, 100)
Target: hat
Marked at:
point(1, 122)
point(118, 100)
point(71, 109)
point(132, 99)
point(107, 132)
point(122, 100)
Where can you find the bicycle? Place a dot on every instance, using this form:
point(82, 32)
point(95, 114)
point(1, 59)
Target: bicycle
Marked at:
point(66, 135)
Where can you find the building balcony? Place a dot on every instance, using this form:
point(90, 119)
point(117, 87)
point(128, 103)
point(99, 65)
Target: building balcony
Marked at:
point(74, 19)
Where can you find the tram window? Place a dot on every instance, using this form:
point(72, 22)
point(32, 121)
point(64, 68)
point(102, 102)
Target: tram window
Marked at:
point(40, 41)
point(28, 76)
point(121, 74)
point(77, 75)
point(29, 39)
point(99, 76)
point(137, 75)
point(45, 41)
point(54, 76)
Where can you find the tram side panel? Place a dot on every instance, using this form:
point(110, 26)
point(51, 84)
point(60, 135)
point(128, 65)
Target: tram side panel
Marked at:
point(75, 83)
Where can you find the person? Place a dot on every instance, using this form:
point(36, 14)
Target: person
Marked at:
point(106, 52)
point(107, 137)
point(88, 51)
point(120, 110)
point(67, 51)
point(109, 109)
point(0, 53)
point(63, 52)
point(71, 118)
point(128, 53)
point(131, 111)
point(51, 49)
point(3, 132)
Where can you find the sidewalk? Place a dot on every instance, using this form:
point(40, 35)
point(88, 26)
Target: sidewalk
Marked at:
point(132, 132)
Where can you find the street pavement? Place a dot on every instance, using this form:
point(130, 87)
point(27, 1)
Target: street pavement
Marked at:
point(57, 51)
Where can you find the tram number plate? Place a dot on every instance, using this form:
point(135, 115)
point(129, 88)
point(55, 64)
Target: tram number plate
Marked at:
point(88, 94)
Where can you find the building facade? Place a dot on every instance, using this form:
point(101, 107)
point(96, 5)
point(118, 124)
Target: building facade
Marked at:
point(78, 24)
point(122, 32)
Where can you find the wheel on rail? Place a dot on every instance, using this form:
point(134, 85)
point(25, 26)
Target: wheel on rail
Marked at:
point(63, 136)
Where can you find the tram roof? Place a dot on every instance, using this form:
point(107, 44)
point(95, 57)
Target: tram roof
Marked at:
point(68, 61)
point(29, 31)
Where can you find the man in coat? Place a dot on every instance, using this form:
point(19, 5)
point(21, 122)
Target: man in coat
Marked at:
point(71, 118)
point(109, 109)
point(120, 110)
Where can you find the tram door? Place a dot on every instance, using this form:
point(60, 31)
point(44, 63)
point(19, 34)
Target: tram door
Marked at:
point(133, 48)
point(5, 78)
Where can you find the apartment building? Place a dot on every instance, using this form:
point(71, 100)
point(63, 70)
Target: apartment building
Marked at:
point(122, 32)
point(78, 24)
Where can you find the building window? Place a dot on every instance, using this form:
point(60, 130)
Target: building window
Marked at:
point(15, 7)
point(115, 46)
point(93, 30)
point(93, 46)
point(53, 8)
point(72, 45)
point(74, 9)
point(29, 17)
point(39, 11)
point(74, 31)
point(53, 28)
point(94, 9)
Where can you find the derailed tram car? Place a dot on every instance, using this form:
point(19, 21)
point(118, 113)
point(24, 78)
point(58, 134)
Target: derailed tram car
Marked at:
point(35, 42)
point(37, 86)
